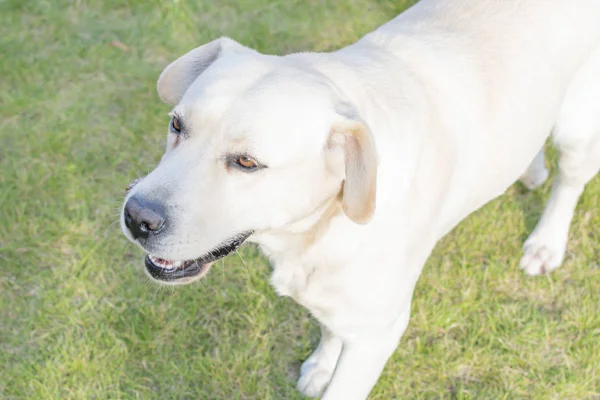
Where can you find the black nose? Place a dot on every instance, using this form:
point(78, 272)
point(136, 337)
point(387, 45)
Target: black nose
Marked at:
point(143, 217)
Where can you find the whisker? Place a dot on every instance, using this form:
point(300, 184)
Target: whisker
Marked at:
point(112, 224)
point(137, 173)
point(244, 264)
point(157, 290)
point(200, 280)
point(203, 287)
point(222, 263)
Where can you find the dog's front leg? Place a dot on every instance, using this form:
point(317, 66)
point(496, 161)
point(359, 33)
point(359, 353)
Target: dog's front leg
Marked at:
point(317, 370)
point(362, 361)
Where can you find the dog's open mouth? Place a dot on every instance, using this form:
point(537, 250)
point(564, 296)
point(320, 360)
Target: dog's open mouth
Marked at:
point(185, 271)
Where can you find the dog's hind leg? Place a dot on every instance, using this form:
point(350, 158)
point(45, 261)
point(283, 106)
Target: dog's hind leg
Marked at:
point(536, 173)
point(577, 136)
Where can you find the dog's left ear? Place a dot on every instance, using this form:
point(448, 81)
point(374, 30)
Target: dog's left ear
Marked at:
point(360, 157)
point(177, 77)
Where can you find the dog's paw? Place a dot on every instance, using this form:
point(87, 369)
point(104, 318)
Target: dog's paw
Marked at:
point(535, 178)
point(314, 378)
point(541, 256)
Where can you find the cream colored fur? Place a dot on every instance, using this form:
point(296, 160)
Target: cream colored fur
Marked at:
point(376, 151)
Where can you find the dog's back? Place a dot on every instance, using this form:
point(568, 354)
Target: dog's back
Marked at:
point(510, 62)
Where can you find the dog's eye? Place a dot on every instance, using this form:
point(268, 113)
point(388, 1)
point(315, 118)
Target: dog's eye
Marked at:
point(246, 162)
point(176, 125)
point(243, 162)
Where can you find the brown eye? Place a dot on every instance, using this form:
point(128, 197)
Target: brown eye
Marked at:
point(246, 162)
point(176, 125)
point(243, 162)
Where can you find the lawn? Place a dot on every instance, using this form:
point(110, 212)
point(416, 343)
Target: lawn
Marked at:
point(80, 118)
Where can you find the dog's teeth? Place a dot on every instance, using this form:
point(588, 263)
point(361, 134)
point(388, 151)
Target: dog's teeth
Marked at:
point(166, 264)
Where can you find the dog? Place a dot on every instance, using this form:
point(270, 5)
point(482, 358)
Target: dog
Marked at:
point(347, 167)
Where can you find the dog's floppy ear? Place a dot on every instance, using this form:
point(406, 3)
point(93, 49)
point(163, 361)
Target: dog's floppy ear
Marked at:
point(181, 73)
point(360, 183)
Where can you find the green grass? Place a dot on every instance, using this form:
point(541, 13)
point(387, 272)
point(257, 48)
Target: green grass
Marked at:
point(79, 119)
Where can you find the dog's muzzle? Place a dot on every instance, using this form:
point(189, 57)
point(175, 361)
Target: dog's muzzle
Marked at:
point(144, 218)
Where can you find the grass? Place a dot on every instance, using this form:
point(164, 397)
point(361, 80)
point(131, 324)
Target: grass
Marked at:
point(79, 119)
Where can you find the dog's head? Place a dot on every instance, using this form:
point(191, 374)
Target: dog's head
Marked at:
point(255, 144)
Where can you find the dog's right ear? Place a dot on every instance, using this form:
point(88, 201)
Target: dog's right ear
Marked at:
point(181, 73)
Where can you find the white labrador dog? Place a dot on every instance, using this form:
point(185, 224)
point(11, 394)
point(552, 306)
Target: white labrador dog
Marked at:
point(347, 167)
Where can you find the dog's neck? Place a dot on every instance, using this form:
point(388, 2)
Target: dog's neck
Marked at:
point(299, 235)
